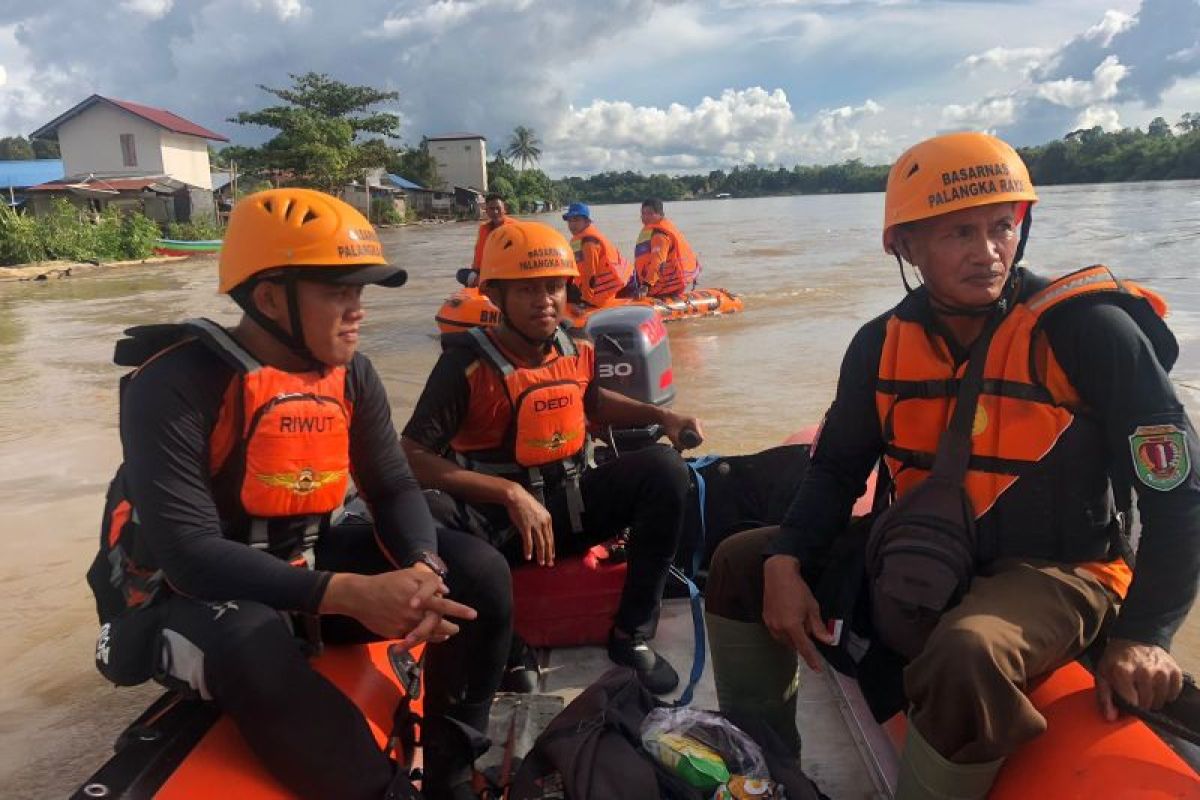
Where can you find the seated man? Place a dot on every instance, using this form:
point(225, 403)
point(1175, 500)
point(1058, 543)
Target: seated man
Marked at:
point(603, 271)
point(665, 262)
point(497, 216)
point(237, 447)
point(1074, 401)
point(501, 431)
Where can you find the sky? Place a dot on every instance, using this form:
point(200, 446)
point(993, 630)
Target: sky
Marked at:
point(670, 86)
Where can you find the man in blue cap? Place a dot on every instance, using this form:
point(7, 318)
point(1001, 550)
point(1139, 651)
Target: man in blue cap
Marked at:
point(603, 271)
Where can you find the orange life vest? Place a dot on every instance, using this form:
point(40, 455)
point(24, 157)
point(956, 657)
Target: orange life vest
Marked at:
point(678, 272)
point(611, 276)
point(1025, 408)
point(481, 237)
point(280, 450)
point(548, 424)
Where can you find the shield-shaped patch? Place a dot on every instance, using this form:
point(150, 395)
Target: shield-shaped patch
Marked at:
point(1160, 456)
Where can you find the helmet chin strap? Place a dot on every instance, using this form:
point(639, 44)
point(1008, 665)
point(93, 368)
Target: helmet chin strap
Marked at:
point(1002, 302)
point(544, 345)
point(293, 341)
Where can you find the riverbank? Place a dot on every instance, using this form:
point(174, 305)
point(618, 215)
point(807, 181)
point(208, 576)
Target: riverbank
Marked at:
point(56, 270)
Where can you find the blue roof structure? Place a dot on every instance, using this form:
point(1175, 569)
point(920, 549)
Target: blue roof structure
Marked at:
point(402, 183)
point(30, 173)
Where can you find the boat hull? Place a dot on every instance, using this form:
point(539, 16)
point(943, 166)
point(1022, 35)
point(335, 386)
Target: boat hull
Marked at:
point(468, 308)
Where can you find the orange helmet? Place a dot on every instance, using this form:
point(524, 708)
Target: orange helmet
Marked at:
point(526, 250)
point(952, 172)
point(304, 229)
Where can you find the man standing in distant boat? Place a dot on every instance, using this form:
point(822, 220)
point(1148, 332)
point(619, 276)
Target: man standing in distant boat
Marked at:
point(603, 271)
point(1075, 408)
point(497, 215)
point(665, 262)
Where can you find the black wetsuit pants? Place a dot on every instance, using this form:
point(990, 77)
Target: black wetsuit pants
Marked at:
point(244, 656)
point(644, 490)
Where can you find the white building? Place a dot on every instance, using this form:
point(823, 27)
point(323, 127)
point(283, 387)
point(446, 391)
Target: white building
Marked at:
point(461, 160)
point(117, 138)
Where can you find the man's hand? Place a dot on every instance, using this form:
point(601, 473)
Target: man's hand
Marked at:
point(790, 611)
point(533, 522)
point(404, 603)
point(1144, 675)
point(674, 425)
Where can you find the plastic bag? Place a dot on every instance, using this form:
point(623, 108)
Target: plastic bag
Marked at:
point(703, 748)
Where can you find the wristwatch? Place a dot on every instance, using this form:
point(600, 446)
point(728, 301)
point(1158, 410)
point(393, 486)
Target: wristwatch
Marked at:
point(429, 559)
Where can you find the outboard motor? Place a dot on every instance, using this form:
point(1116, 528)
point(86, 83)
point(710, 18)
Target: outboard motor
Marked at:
point(633, 358)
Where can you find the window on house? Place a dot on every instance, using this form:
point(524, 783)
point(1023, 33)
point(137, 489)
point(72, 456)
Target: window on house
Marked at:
point(128, 150)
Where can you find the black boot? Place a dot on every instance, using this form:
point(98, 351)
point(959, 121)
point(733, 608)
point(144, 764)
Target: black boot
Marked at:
point(450, 749)
point(521, 674)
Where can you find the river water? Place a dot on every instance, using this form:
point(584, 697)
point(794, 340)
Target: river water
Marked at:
point(810, 269)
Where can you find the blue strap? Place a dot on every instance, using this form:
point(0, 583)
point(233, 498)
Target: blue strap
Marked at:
point(695, 465)
point(698, 627)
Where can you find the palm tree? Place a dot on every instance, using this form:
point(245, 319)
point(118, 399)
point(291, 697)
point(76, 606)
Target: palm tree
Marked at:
point(524, 147)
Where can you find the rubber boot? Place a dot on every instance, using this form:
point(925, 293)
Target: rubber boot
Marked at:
point(925, 774)
point(754, 675)
point(451, 744)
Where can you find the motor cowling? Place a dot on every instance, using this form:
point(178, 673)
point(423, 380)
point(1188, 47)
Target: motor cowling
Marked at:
point(633, 354)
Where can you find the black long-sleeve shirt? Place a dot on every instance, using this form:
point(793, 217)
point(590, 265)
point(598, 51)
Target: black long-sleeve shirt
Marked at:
point(169, 411)
point(1114, 368)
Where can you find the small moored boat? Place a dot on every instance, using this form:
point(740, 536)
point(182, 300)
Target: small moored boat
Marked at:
point(178, 247)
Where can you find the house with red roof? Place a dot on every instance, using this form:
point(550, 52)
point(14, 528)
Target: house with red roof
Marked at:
point(129, 154)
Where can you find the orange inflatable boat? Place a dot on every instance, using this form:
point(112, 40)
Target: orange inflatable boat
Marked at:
point(468, 308)
point(183, 749)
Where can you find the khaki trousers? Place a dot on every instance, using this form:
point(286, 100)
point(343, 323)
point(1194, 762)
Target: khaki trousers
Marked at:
point(1020, 620)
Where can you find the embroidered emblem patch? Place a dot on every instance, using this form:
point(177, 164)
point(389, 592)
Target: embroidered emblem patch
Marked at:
point(1160, 456)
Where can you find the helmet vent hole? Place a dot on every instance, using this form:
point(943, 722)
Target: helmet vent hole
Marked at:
point(913, 171)
point(269, 205)
point(309, 216)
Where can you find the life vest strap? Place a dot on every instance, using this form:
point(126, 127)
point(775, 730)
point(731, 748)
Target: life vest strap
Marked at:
point(918, 459)
point(928, 389)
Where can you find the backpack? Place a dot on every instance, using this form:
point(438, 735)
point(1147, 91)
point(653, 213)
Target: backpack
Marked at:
point(736, 493)
point(593, 751)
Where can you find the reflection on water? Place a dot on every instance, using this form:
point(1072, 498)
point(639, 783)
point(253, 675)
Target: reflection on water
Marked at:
point(811, 270)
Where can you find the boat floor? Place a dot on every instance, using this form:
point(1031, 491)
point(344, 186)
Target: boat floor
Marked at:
point(836, 752)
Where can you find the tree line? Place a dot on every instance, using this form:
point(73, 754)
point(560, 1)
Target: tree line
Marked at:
point(1087, 155)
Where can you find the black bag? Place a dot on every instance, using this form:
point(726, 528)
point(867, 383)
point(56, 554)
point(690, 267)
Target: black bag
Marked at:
point(921, 551)
point(736, 493)
point(593, 751)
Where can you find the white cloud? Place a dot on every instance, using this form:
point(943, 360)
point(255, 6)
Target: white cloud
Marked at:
point(3, 75)
point(284, 9)
point(1074, 93)
point(1006, 58)
point(149, 8)
point(1105, 30)
point(1104, 116)
point(984, 115)
point(740, 126)
point(433, 20)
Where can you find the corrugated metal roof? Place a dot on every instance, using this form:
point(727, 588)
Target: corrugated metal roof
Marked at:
point(30, 173)
point(159, 116)
point(456, 135)
point(401, 182)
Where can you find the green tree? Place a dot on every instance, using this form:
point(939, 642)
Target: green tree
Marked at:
point(417, 164)
point(1189, 122)
point(318, 131)
point(524, 147)
point(45, 148)
point(15, 148)
point(1158, 128)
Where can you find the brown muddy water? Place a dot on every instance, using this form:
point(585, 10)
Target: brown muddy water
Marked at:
point(811, 271)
